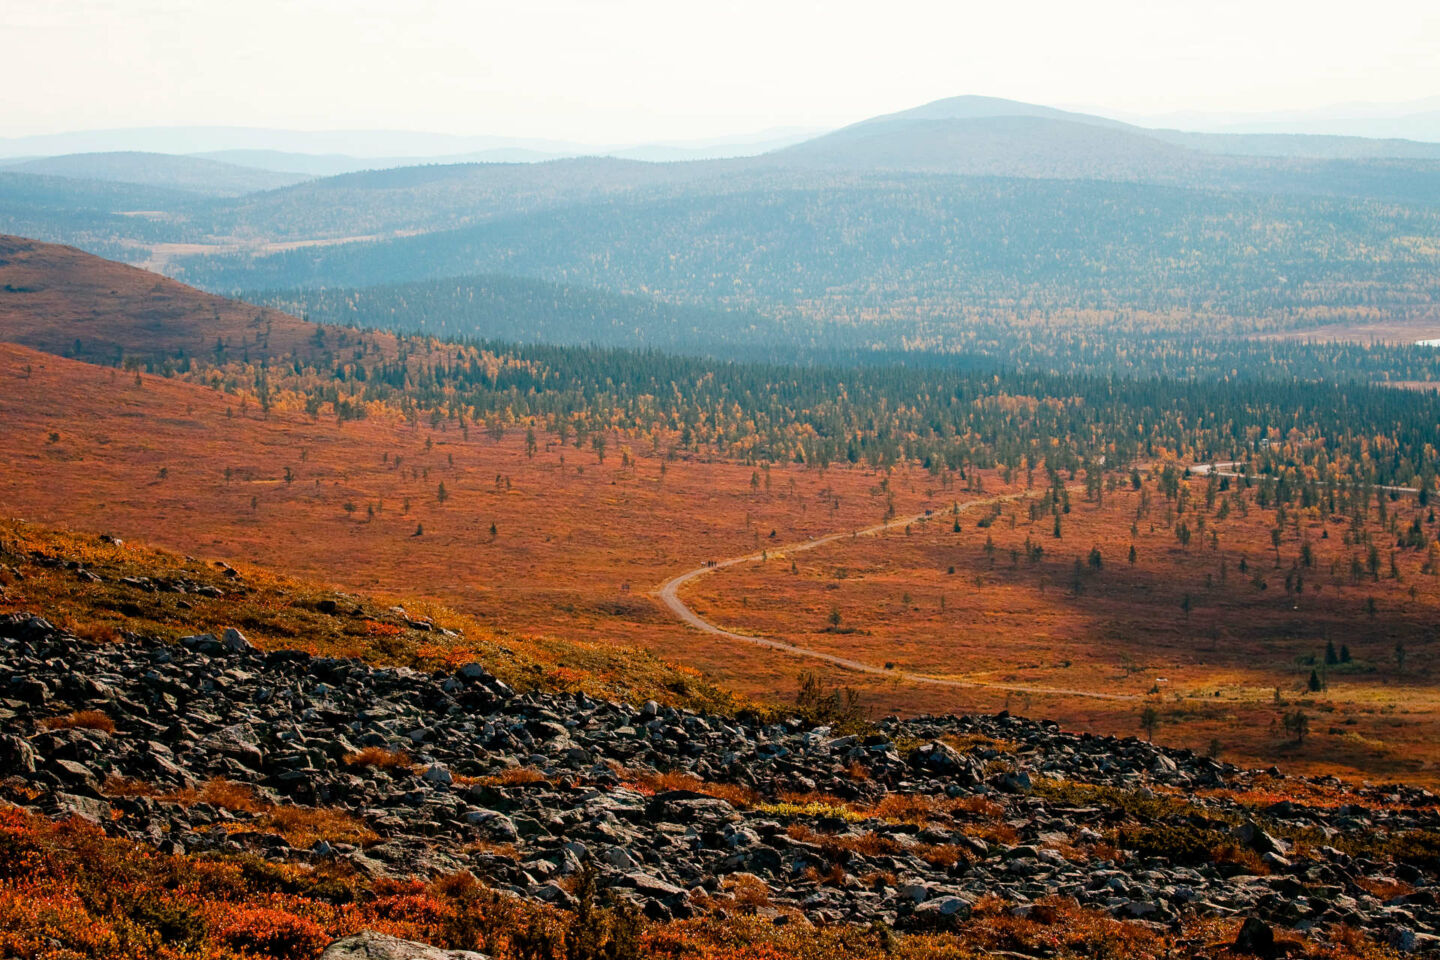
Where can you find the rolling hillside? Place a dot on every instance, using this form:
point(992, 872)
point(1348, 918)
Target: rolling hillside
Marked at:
point(1015, 146)
point(959, 136)
point(62, 300)
point(1010, 247)
point(117, 220)
point(1300, 145)
point(444, 196)
point(524, 310)
point(988, 136)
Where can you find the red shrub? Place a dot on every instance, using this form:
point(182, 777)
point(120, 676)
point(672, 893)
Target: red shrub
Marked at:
point(272, 933)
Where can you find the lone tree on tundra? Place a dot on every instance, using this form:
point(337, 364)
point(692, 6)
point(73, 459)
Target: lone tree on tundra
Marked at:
point(1149, 720)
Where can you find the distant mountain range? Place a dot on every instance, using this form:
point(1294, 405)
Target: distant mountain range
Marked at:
point(1417, 126)
point(1412, 120)
point(204, 140)
point(329, 152)
point(966, 135)
point(333, 164)
point(969, 203)
point(210, 177)
point(986, 135)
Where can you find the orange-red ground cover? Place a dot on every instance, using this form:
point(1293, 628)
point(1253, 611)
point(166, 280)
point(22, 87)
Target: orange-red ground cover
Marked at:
point(578, 545)
point(1222, 668)
point(69, 893)
point(55, 298)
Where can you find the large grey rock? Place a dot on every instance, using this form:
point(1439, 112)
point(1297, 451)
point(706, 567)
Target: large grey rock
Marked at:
point(940, 914)
point(1014, 782)
point(235, 641)
point(369, 945)
point(86, 808)
point(16, 755)
point(619, 858)
point(1258, 840)
point(29, 689)
point(237, 742)
point(940, 757)
point(652, 886)
point(473, 671)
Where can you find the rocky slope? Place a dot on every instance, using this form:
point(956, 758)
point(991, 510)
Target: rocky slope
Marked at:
point(216, 745)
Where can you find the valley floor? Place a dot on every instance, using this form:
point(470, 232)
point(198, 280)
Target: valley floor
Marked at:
point(557, 542)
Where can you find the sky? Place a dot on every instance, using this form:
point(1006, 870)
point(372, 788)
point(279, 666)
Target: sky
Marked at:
point(617, 71)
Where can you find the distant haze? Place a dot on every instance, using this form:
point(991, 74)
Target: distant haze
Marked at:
point(332, 151)
point(611, 72)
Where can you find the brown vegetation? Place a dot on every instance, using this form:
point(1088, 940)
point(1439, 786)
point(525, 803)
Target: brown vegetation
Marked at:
point(81, 719)
point(379, 758)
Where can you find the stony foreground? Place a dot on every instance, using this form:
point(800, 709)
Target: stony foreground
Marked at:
point(909, 822)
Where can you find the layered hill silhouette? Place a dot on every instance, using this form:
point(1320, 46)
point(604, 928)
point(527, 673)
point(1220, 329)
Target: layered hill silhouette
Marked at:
point(958, 135)
point(963, 136)
point(986, 136)
point(1016, 146)
point(1002, 245)
point(969, 203)
point(990, 136)
point(192, 174)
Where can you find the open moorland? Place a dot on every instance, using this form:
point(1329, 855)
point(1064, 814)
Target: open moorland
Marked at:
point(505, 484)
point(60, 300)
point(980, 531)
point(552, 539)
point(553, 542)
point(1226, 619)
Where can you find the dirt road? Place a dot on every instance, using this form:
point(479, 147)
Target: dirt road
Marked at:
point(669, 594)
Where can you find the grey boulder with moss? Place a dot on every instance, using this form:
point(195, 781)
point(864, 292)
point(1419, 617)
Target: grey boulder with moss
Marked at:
point(369, 945)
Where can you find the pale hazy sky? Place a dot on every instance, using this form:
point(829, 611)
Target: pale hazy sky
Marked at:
point(633, 70)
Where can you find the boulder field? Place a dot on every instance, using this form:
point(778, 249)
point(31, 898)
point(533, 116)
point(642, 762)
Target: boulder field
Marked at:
point(908, 822)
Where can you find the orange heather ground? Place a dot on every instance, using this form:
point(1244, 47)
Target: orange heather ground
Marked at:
point(54, 297)
point(1000, 619)
point(579, 546)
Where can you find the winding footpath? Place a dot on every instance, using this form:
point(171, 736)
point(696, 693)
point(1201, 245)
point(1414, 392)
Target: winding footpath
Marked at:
point(669, 594)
